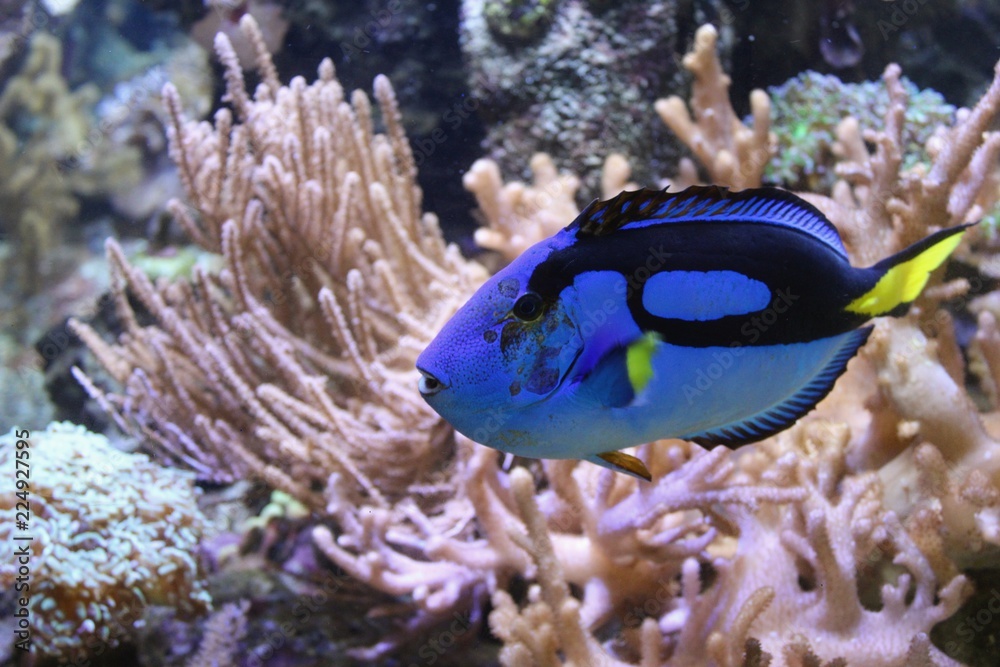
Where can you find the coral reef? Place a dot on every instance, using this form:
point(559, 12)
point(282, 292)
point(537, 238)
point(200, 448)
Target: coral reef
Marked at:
point(900, 492)
point(807, 109)
point(784, 578)
point(112, 533)
point(333, 281)
point(574, 80)
point(294, 364)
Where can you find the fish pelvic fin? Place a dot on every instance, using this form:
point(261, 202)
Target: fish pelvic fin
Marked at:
point(905, 274)
point(622, 462)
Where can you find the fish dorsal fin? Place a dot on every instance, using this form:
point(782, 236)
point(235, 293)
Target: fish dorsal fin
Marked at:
point(706, 203)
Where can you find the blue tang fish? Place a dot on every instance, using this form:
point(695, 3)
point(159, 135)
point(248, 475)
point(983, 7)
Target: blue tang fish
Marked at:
point(713, 316)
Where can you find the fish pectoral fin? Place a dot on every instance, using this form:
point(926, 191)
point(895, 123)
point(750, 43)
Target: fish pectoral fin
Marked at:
point(621, 375)
point(622, 462)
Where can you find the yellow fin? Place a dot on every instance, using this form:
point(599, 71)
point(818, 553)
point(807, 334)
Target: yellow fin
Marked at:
point(626, 463)
point(903, 282)
point(639, 361)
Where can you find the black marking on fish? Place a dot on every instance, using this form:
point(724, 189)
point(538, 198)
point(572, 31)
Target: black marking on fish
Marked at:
point(789, 261)
point(509, 287)
point(490, 335)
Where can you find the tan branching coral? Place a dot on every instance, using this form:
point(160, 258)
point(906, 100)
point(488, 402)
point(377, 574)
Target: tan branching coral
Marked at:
point(333, 280)
point(786, 582)
point(879, 207)
point(517, 215)
point(622, 544)
point(734, 155)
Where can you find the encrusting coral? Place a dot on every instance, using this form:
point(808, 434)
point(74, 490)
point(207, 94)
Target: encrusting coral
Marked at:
point(295, 364)
point(807, 109)
point(573, 79)
point(112, 533)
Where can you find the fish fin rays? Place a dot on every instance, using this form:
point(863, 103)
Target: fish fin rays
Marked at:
point(622, 462)
point(781, 416)
point(904, 275)
point(643, 208)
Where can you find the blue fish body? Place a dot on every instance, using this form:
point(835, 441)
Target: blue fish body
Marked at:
point(707, 315)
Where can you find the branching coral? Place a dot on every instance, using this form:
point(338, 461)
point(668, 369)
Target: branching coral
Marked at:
point(879, 206)
point(332, 281)
point(785, 578)
point(519, 216)
point(111, 534)
point(734, 155)
point(516, 215)
point(295, 363)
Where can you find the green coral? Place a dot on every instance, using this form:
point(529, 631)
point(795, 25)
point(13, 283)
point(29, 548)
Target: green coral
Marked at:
point(519, 20)
point(50, 154)
point(111, 533)
point(806, 110)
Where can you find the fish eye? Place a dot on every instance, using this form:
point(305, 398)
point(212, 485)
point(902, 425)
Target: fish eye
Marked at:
point(528, 307)
point(429, 385)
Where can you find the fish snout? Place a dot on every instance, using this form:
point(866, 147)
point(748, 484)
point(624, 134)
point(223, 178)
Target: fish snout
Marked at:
point(429, 384)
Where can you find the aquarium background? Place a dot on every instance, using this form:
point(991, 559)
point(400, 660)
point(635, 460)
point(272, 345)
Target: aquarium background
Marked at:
point(228, 228)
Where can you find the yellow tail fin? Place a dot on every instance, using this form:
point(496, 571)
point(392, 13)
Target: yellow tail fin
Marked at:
point(907, 273)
